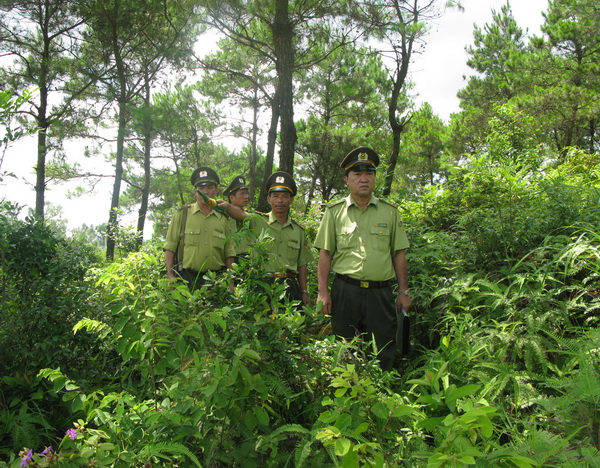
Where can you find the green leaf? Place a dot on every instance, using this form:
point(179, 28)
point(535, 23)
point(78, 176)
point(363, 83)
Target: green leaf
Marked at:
point(249, 420)
point(403, 410)
point(261, 415)
point(453, 394)
point(523, 462)
point(328, 433)
point(487, 428)
point(380, 411)
point(430, 423)
point(342, 446)
point(339, 382)
point(77, 403)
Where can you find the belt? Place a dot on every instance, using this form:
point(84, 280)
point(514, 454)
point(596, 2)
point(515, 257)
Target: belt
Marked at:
point(282, 274)
point(196, 272)
point(363, 283)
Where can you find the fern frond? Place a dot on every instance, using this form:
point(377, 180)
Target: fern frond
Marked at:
point(278, 387)
point(301, 453)
point(288, 428)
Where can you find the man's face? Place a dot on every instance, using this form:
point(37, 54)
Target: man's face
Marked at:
point(210, 190)
point(361, 183)
point(280, 202)
point(240, 198)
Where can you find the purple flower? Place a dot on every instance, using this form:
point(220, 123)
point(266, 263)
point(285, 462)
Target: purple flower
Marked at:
point(25, 459)
point(72, 433)
point(48, 451)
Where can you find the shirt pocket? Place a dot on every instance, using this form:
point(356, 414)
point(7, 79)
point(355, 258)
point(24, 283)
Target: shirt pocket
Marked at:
point(218, 239)
point(293, 244)
point(192, 237)
point(346, 237)
point(380, 234)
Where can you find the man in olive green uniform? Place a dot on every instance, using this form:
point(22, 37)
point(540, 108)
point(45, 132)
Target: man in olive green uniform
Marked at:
point(361, 238)
point(290, 252)
point(237, 194)
point(203, 240)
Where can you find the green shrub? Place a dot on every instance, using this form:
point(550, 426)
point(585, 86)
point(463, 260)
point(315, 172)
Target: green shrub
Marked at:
point(43, 295)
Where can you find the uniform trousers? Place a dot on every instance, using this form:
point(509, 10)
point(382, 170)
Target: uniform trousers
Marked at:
point(293, 291)
point(359, 311)
point(193, 278)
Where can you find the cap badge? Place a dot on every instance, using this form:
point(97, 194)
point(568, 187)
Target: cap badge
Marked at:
point(363, 157)
point(279, 179)
point(240, 180)
point(203, 174)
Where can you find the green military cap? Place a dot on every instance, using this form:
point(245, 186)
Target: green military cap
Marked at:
point(362, 158)
point(204, 176)
point(238, 183)
point(281, 182)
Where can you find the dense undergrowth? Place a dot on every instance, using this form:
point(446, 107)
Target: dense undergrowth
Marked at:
point(503, 368)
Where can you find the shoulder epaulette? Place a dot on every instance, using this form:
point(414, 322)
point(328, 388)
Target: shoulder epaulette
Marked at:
point(335, 203)
point(387, 202)
point(297, 224)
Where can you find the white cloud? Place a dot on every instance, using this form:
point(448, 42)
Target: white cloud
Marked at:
point(438, 72)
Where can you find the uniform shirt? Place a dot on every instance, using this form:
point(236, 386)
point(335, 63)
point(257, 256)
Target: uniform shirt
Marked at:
point(240, 242)
point(362, 243)
point(290, 249)
point(206, 239)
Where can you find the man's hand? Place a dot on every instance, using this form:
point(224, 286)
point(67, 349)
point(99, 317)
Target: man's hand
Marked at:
point(170, 263)
point(325, 299)
point(305, 298)
point(323, 269)
point(403, 301)
point(232, 211)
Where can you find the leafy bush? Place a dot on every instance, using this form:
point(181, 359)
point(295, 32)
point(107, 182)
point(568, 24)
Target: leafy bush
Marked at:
point(43, 295)
point(503, 369)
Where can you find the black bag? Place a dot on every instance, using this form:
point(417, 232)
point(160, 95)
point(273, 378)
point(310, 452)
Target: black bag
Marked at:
point(403, 331)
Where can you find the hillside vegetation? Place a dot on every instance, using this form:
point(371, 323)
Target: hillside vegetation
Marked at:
point(110, 365)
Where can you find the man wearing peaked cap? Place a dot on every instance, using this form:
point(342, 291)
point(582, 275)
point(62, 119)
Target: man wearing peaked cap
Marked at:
point(237, 183)
point(238, 195)
point(361, 238)
point(281, 182)
point(197, 238)
point(290, 252)
point(362, 158)
point(204, 176)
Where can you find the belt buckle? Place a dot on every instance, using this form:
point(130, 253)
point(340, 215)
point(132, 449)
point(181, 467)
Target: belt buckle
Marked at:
point(364, 284)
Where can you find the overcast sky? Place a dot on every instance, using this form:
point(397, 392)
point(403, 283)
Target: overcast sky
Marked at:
point(437, 73)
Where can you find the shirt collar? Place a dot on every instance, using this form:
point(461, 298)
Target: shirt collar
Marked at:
point(350, 201)
point(196, 208)
point(273, 219)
